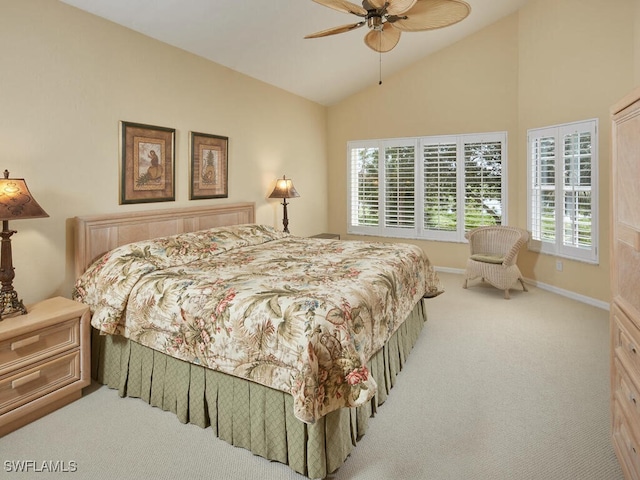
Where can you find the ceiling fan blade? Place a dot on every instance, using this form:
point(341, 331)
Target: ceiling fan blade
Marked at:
point(335, 30)
point(344, 6)
point(395, 7)
point(432, 14)
point(374, 3)
point(398, 7)
point(382, 40)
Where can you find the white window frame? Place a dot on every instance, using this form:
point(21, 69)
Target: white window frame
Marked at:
point(558, 247)
point(419, 231)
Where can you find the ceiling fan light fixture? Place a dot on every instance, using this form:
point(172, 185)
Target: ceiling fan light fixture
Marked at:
point(382, 40)
point(374, 22)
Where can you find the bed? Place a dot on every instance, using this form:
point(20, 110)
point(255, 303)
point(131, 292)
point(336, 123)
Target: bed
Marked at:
point(282, 345)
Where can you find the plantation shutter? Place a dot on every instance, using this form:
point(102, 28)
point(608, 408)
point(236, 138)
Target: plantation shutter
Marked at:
point(364, 187)
point(440, 186)
point(399, 186)
point(419, 187)
point(563, 189)
point(543, 189)
point(578, 222)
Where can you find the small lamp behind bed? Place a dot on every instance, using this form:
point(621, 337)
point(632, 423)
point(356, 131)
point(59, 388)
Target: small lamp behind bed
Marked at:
point(284, 189)
point(16, 203)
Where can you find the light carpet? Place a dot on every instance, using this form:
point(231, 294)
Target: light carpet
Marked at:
point(494, 389)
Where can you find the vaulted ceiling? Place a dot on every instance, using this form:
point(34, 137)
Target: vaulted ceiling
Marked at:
point(264, 39)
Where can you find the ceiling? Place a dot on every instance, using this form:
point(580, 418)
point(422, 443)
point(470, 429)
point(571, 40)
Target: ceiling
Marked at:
point(264, 39)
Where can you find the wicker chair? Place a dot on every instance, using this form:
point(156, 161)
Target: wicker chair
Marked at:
point(494, 252)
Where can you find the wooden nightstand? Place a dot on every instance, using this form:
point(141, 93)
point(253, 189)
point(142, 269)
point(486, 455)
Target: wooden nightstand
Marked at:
point(44, 360)
point(330, 236)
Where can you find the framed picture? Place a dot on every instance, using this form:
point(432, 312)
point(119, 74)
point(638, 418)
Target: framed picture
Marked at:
point(148, 167)
point(209, 166)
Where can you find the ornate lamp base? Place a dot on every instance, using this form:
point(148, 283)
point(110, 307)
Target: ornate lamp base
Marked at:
point(10, 305)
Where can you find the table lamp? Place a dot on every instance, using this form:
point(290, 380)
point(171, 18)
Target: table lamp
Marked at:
point(16, 203)
point(284, 189)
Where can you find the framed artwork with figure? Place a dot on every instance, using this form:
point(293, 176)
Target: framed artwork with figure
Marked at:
point(147, 169)
point(209, 166)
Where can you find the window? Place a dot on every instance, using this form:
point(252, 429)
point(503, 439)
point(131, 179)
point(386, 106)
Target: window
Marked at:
point(563, 193)
point(427, 187)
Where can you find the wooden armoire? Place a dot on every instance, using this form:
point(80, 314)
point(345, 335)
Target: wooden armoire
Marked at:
point(625, 283)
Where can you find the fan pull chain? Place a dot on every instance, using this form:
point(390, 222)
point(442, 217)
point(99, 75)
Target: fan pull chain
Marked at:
point(380, 65)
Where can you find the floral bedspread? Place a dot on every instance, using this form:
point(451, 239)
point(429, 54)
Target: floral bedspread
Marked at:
point(300, 315)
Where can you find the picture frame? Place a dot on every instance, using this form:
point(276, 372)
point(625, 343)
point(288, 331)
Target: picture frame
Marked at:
point(209, 166)
point(147, 172)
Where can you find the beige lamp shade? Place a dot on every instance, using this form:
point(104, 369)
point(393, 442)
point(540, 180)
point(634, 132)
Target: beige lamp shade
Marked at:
point(16, 202)
point(284, 189)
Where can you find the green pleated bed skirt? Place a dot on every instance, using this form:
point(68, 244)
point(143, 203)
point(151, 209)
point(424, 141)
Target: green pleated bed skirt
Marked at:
point(247, 414)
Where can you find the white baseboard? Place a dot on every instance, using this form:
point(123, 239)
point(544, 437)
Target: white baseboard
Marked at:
point(459, 271)
point(560, 291)
point(569, 294)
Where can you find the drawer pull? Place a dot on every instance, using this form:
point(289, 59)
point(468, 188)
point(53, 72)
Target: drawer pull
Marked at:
point(632, 398)
point(25, 342)
point(26, 379)
point(632, 348)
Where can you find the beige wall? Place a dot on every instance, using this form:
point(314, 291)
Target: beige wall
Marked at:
point(68, 78)
point(552, 62)
point(636, 42)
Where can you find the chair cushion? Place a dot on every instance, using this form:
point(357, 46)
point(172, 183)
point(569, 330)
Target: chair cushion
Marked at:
point(487, 258)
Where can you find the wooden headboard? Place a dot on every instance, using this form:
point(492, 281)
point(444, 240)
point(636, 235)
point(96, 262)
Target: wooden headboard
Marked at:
point(97, 234)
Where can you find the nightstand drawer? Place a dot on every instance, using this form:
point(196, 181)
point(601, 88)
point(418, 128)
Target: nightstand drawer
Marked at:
point(34, 346)
point(30, 383)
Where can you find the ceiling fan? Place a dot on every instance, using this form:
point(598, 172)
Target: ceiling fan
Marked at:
point(386, 19)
